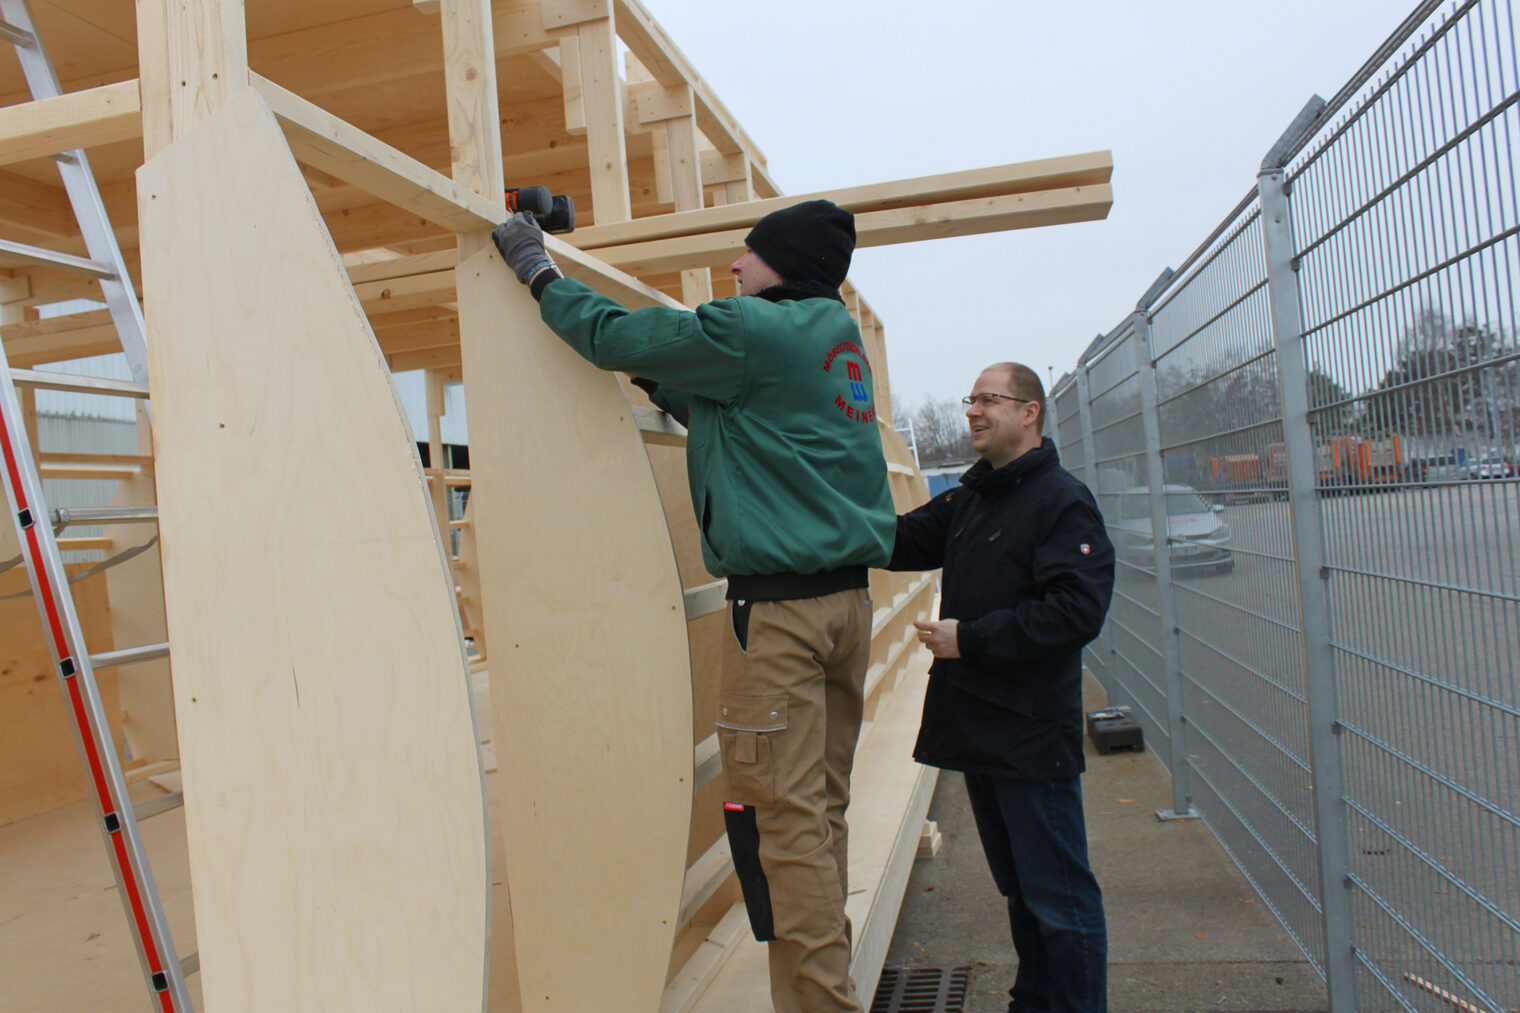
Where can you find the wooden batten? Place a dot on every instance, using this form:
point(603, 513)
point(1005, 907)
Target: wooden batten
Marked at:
point(103, 115)
point(882, 228)
point(1021, 177)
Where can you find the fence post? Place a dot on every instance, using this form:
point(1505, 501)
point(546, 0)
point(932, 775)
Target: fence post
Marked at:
point(1100, 646)
point(1318, 657)
point(1155, 476)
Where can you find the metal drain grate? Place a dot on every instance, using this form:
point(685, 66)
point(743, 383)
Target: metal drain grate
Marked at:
point(922, 989)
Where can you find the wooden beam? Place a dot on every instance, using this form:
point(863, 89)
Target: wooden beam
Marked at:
point(438, 491)
point(881, 228)
point(35, 212)
point(60, 338)
point(321, 139)
point(395, 294)
point(570, 83)
point(470, 75)
point(427, 358)
point(685, 168)
point(404, 267)
point(648, 41)
point(154, 76)
point(601, 93)
point(334, 146)
point(417, 335)
point(1020, 177)
point(194, 55)
point(656, 102)
point(82, 119)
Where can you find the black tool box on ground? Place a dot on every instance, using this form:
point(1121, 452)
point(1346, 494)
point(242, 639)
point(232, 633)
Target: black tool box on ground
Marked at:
point(1112, 728)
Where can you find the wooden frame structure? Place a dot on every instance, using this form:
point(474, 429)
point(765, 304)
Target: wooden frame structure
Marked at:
point(305, 193)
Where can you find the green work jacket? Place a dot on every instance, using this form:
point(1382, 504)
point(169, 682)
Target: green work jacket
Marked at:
point(783, 453)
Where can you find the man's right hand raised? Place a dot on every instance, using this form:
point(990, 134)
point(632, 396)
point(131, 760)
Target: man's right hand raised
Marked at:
point(520, 241)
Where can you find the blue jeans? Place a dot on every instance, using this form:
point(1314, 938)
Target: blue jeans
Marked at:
point(1036, 844)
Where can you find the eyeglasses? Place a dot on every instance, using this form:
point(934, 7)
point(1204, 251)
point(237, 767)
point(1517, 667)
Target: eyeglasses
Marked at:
point(989, 399)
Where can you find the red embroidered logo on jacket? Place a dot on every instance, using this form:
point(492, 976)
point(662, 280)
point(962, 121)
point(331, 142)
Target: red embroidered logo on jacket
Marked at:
point(859, 406)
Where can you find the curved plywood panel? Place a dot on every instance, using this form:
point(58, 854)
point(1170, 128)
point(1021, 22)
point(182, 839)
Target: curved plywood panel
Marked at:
point(590, 677)
point(333, 799)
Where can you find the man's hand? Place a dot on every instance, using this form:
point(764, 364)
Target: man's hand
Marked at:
point(520, 241)
point(940, 637)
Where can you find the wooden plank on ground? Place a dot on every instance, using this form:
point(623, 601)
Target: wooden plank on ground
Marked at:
point(334, 804)
point(590, 672)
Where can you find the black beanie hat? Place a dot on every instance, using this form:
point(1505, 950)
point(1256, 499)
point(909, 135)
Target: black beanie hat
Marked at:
point(807, 244)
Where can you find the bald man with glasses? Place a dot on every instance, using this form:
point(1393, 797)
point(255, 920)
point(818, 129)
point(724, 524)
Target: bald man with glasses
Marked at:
point(1028, 575)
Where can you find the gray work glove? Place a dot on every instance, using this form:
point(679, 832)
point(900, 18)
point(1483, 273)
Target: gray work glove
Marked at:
point(520, 241)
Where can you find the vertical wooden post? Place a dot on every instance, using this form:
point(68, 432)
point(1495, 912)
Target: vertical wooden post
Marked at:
point(593, 92)
point(476, 162)
point(193, 57)
point(470, 76)
point(673, 111)
point(475, 158)
point(440, 486)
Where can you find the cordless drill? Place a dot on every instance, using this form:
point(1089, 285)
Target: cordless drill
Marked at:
point(555, 212)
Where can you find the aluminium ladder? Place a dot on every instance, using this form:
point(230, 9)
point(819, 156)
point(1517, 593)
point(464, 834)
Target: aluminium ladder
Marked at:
point(35, 529)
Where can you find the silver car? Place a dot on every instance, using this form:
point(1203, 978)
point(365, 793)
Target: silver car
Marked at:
point(1489, 465)
point(1198, 538)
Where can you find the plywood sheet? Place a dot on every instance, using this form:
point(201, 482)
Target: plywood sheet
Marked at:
point(334, 803)
point(590, 679)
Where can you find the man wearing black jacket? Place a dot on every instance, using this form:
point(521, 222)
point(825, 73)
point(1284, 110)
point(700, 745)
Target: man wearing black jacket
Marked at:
point(1028, 574)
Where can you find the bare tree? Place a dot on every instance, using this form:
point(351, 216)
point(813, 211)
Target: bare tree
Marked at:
point(940, 427)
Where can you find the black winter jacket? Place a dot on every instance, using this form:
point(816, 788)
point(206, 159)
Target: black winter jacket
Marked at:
point(1029, 572)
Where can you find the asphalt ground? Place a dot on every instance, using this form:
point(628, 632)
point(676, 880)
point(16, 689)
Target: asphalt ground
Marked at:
point(1186, 930)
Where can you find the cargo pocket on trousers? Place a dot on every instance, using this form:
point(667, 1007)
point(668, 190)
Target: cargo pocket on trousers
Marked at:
point(744, 726)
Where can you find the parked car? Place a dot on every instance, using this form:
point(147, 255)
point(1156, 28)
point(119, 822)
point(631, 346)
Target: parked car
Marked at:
point(1440, 468)
point(1198, 537)
point(1490, 465)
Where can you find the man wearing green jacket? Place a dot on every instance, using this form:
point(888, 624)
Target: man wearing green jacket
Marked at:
point(790, 492)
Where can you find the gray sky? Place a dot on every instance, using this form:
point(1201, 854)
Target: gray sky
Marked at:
point(1187, 95)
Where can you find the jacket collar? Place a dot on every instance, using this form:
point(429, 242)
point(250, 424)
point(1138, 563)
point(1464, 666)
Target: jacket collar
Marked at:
point(788, 291)
point(983, 478)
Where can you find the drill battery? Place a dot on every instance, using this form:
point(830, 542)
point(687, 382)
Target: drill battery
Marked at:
point(555, 212)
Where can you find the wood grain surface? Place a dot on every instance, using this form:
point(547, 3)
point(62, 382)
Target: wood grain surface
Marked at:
point(590, 676)
point(333, 798)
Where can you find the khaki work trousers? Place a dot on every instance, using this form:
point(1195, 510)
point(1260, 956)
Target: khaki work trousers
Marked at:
point(788, 719)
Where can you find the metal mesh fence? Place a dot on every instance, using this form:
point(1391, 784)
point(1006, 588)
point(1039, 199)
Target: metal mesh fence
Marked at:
point(1305, 446)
